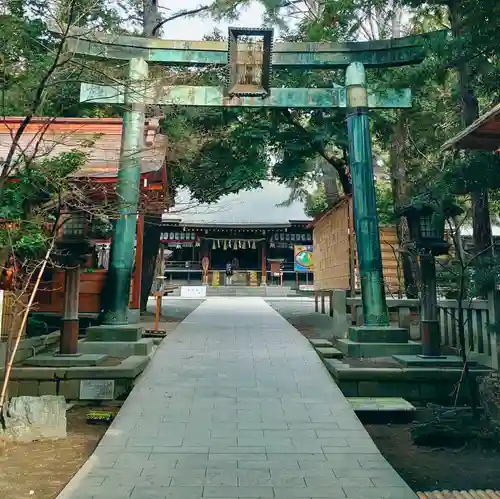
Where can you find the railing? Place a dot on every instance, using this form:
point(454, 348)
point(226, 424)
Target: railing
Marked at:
point(482, 344)
point(478, 339)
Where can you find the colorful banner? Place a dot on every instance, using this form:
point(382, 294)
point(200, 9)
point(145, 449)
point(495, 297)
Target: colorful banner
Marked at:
point(303, 258)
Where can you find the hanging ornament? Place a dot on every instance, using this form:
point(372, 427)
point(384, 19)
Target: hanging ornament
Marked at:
point(239, 244)
point(230, 243)
point(244, 245)
point(225, 244)
point(214, 245)
point(218, 243)
point(253, 244)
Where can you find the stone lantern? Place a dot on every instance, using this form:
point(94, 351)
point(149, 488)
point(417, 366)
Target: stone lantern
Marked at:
point(426, 223)
point(73, 248)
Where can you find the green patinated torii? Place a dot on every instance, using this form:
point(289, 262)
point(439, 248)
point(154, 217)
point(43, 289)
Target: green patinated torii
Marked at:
point(356, 97)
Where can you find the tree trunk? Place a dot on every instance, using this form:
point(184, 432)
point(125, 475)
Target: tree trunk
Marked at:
point(151, 17)
point(329, 180)
point(401, 197)
point(152, 232)
point(469, 109)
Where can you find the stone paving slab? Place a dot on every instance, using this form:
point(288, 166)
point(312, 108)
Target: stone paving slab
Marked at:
point(236, 404)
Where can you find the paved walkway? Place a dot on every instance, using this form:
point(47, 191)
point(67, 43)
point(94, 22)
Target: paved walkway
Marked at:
point(236, 404)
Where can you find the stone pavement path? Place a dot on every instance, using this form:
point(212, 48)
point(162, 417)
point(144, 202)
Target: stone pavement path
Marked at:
point(236, 404)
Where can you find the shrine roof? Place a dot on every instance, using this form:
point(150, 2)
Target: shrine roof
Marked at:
point(256, 208)
point(100, 138)
point(483, 134)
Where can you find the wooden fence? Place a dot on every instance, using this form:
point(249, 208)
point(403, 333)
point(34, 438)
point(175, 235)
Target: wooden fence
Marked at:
point(482, 344)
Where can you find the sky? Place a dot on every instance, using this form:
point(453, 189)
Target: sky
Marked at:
point(194, 28)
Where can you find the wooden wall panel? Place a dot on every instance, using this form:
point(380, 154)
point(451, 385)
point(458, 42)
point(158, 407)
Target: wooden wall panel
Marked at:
point(332, 249)
point(334, 252)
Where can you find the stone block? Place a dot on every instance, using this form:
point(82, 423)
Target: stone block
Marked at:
point(349, 388)
point(28, 388)
point(70, 389)
point(114, 333)
point(329, 353)
point(319, 343)
point(47, 388)
point(121, 349)
point(51, 360)
point(378, 334)
point(36, 418)
point(353, 349)
point(420, 361)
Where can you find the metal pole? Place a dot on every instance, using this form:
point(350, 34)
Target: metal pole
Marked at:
point(365, 211)
point(127, 191)
point(429, 323)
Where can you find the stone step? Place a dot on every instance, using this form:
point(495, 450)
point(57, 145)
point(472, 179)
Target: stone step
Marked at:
point(320, 343)
point(378, 334)
point(329, 353)
point(382, 410)
point(353, 349)
point(364, 404)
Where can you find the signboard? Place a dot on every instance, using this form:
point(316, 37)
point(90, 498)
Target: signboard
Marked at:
point(97, 389)
point(303, 258)
point(193, 291)
point(306, 287)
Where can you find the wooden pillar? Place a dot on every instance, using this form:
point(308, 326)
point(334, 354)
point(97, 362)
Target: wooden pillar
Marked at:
point(264, 263)
point(68, 344)
point(323, 310)
point(135, 302)
point(316, 303)
point(330, 300)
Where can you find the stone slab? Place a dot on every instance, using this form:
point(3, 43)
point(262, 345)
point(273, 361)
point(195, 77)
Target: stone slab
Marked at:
point(231, 394)
point(329, 353)
point(120, 349)
point(380, 404)
point(320, 343)
point(54, 360)
point(353, 349)
point(378, 334)
point(114, 333)
point(419, 361)
point(36, 418)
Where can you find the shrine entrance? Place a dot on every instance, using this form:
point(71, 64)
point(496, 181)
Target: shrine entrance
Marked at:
point(250, 55)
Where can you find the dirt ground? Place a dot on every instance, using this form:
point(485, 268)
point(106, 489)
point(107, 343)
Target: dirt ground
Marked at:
point(426, 469)
point(40, 470)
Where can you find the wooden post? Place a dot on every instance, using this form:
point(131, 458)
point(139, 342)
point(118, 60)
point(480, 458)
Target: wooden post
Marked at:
point(316, 303)
point(323, 302)
point(158, 310)
point(68, 343)
point(263, 279)
point(135, 302)
point(330, 300)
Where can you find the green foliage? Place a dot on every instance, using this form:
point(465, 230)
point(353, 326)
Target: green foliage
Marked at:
point(22, 204)
point(316, 202)
point(385, 204)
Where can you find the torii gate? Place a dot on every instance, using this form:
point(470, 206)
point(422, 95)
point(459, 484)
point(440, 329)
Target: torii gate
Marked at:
point(248, 86)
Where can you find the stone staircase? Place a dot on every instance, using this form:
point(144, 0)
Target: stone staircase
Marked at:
point(261, 291)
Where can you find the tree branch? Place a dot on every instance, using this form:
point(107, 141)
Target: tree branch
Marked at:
point(338, 164)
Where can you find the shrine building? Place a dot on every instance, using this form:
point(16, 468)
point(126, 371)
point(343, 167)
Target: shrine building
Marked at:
point(249, 230)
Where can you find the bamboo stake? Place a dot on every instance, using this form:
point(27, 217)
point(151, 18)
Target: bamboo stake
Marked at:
point(10, 361)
